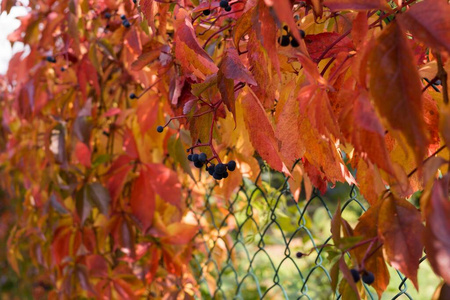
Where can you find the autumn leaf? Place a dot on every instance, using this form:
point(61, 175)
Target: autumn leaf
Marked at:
point(437, 229)
point(355, 4)
point(396, 89)
point(262, 135)
point(429, 22)
point(318, 43)
point(400, 228)
point(142, 199)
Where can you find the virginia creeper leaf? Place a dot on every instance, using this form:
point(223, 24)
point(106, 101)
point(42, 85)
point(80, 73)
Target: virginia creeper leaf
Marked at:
point(400, 227)
point(396, 88)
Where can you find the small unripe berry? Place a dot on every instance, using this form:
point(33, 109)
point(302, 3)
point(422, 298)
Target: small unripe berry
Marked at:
point(368, 277)
point(355, 275)
point(231, 165)
point(159, 129)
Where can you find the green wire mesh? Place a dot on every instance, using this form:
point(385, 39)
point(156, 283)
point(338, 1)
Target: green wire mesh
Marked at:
point(247, 246)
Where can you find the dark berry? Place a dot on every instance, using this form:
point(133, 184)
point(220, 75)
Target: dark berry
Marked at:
point(206, 12)
point(284, 40)
point(189, 157)
point(202, 157)
point(228, 8)
point(302, 33)
point(134, 1)
point(126, 24)
point(63, 69)
point(225, 174)
point(299, 254)
point(211, 169)
point(294, 43)
point(368, 277)
point(438, 82)
point(195, 157)
point(133, 96)
point(221, 168)
point(231, 165)
point(286, 28)
point(123, 17)
point(107, 15)
point(159, 129)
point(217, 176)
point(51, 59)
point(355, 275)
point(198, 164)
point(224, 3)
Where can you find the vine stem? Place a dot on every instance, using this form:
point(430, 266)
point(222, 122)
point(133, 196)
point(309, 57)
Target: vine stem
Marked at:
point(214, 34)
point(426, 159)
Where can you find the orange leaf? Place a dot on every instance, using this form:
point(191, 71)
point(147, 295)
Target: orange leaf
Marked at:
point(400, 227)
point(165, 183)
point(179, 233)
point(318, 43)
point(429, 21)
point(396, 88)
point(262, 135)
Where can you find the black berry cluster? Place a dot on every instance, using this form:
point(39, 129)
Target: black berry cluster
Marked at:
point(287, 39)
point(218, 171)
point(225, 5)
point(125, 21)
point(367, 277)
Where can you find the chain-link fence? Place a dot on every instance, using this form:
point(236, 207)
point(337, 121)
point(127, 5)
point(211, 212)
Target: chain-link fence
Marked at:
point(263, 244)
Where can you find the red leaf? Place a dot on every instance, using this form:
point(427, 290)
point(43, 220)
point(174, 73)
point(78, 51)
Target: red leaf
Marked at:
point(356, 4)
point(117, 174)
point(165, 183)
point(142, 199)
point(262, 135)
point(396, 88)
point(145, 59)
point(129, 143)
point(83, 154)
point(233, 68)
point(429, 21)
point(437, 230)
point(318, 43)
point(400, 227)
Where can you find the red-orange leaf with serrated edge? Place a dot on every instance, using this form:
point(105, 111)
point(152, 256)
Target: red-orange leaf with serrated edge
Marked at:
point(429, 21)
point(117, 174)
point(262, 135)
point(400, 227)
point(437, 230)
point(142, 199)
point(396, 88)
point(179, 234)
